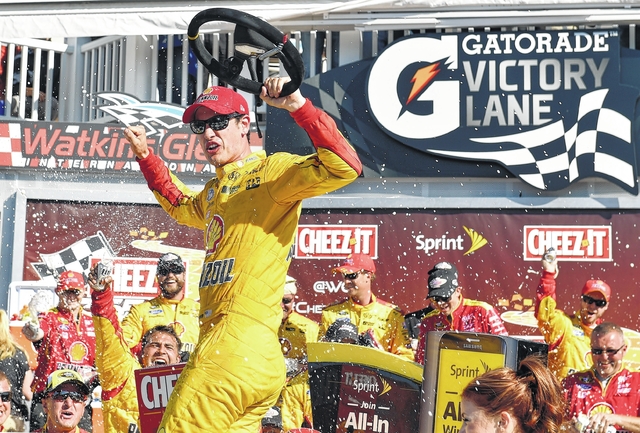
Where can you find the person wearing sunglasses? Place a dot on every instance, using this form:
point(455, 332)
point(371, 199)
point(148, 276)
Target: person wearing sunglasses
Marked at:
point(160, 346)
point(65, 398)
point(383, 321)
point(5, 403)
point(452, 311)
point(63, 338)
point(568, 335)
point(171, 307)
point(607, 394)
point(249, 214)
point(295, 332)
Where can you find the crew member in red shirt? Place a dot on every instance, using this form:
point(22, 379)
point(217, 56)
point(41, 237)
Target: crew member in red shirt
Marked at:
point(65, 340)
point(452, 311)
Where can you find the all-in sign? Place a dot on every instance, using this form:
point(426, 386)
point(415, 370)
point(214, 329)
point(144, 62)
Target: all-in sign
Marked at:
point(548, 106)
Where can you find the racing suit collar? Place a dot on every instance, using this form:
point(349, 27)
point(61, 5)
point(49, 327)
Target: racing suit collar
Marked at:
point(358, 306)
point(233, 166)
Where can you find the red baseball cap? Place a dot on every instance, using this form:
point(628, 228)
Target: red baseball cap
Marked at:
point(222, 100)
point(356, 262)
point(70, 280)
point(597, 286)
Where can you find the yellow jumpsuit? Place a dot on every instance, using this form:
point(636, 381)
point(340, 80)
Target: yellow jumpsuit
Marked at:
point(116, 365)
point(181, 315)
point(384, 319)
point(295, 333)
point(295, 400)
point(249, 214)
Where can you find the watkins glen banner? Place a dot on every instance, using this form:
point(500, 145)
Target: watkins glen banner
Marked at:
point(549, 107)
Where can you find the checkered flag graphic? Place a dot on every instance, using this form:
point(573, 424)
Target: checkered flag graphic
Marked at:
point(597, 144)
point(157, 117)
point(77, 257)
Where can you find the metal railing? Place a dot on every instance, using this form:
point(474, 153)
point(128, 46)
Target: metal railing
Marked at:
point(28, 78)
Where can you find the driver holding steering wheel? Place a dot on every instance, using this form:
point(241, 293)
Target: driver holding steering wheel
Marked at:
point(249, 213)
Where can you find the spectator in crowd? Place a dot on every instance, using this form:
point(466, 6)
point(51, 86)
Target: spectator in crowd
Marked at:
point(116, 364)
point(64, 339)
point(5, 403)
point(64, 400)
point(527, 400)
point(452, 311)
point(295, 332)
point(171, 307)
point(15, 366)
point(272, 421)
point(383, 321)
point(250, 212)
point(568, 335)
point(607, 393)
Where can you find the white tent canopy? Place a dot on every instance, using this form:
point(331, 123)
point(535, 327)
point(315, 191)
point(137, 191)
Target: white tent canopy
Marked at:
point(56, 19)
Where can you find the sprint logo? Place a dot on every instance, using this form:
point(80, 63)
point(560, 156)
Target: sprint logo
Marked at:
point(456, 243)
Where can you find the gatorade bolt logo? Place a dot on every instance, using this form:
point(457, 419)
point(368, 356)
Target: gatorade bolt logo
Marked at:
point(78, 351)
point(215, 231)
point(405, 94)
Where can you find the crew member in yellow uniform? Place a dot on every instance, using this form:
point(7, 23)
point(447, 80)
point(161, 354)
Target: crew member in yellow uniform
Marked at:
point(569, 335)
point(384, 322)
point(172, 307)
point(115, 362)
point(295, 332)
point(249, 213)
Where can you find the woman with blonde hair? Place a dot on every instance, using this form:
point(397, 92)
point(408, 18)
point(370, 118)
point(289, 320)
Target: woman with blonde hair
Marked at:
point(526, 400)
point(15, 365)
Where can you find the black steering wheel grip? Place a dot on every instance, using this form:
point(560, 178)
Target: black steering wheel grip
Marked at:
point(289, 56)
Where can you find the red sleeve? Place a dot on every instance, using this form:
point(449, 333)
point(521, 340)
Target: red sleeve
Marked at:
point(158, 178)
point(324, 133)
point(546, 287)
point(102, 306)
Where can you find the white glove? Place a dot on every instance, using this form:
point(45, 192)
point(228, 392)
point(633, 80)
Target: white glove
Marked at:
point(32, 331)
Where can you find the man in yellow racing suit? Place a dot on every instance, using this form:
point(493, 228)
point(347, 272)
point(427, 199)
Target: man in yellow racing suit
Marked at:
point(116, 364)
point(172, 307)
point(382, 321)
point(569, 336)
point(249, 213)
point(294, 333)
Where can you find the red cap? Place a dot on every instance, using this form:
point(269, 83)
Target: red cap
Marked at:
point(597, 286)
point(70, 280)
point(356, 262)
point(220, 99)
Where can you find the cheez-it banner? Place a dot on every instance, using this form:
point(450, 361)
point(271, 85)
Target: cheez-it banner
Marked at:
point(497, 253)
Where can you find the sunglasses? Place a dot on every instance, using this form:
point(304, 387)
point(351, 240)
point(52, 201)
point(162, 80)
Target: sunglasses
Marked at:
point(287, 301)
point(217, 123)
point(441, 299)
point(351, 276)
point(610, 352)
point(170, 269)
point(74, 292)
point(589, 300)
point(75, 396)
point(5, 396)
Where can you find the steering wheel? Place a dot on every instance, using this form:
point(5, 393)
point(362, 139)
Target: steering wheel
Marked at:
point(253, 38)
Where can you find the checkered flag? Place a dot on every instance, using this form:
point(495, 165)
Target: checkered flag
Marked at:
point(157, 117)
point(552, 156)
point(77, 257)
